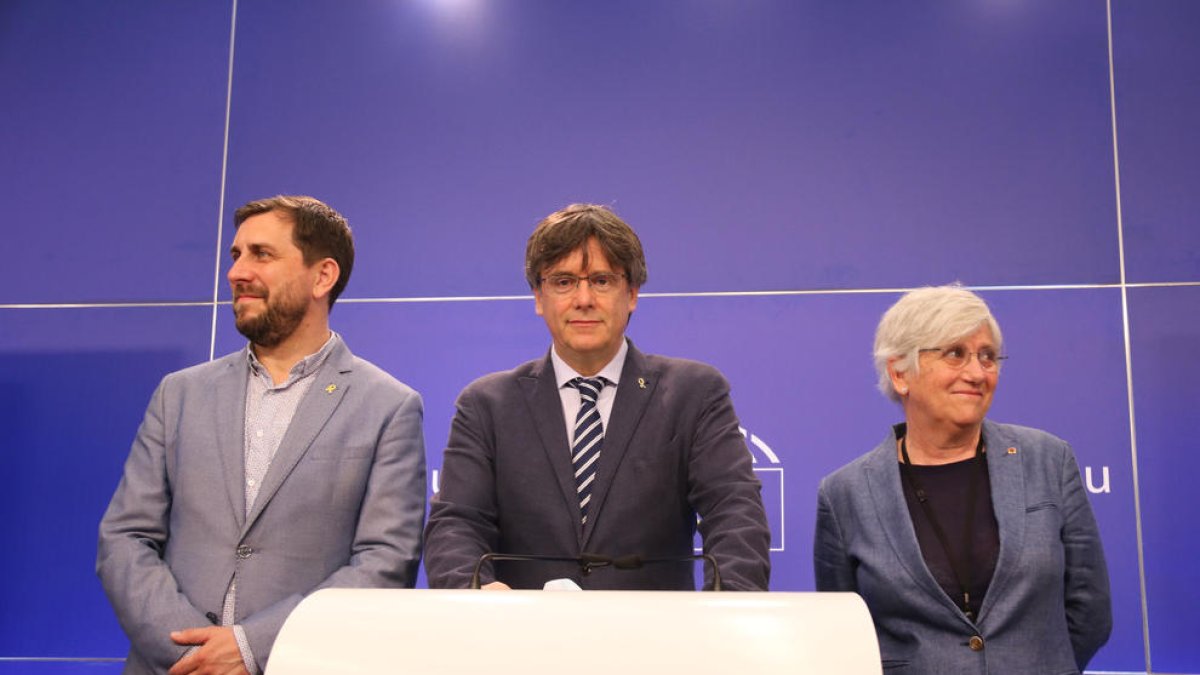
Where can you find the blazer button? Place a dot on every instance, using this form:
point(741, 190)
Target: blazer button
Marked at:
point(244, 552)
point(975, 643)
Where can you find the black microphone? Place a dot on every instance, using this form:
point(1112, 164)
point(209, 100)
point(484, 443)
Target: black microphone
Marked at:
point(628, 562)
point(591, 561)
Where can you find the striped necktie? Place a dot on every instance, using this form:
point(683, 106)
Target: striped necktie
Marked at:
point(589, 436)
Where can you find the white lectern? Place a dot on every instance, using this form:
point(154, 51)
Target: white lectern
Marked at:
point(581, 633)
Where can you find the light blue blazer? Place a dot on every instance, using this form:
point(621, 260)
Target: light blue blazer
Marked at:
point(342, 504)
point(1047, 609)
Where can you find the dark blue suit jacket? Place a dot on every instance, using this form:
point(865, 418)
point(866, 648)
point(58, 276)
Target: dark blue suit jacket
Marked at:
point(672, 451)
point(1048, 608)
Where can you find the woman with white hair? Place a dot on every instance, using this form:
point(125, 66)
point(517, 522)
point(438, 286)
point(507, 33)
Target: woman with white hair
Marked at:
point(972, 542)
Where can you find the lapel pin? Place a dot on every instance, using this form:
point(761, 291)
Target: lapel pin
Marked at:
point(1012, 451)
point(330, 389)
point(641, 383)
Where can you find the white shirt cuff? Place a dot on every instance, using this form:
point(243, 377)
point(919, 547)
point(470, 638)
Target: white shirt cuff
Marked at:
point(239, 634)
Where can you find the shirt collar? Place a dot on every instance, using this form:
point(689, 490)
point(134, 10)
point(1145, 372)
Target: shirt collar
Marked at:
point(303, 367)
point(564, 373)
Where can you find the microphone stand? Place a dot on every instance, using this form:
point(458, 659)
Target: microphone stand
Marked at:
point(587, 562)
point(590, 561)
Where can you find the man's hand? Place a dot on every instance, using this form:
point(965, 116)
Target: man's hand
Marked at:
point(217, 652)
point(496, 586)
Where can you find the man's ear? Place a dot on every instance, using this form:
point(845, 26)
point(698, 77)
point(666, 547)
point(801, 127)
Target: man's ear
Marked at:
point(328, 273)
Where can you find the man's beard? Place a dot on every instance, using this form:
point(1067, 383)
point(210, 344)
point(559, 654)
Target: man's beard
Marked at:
point(275, 324)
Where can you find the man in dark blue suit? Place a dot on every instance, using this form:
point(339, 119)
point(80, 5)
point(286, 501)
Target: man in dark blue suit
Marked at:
point(595, 448)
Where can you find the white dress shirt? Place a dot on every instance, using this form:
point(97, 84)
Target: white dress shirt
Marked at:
point(571, 400)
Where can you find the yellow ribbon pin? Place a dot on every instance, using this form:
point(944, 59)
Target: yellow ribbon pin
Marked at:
point(330, 389)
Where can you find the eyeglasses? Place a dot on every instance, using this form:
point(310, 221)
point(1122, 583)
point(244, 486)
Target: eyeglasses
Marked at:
point(566, 284)
point(958, 357)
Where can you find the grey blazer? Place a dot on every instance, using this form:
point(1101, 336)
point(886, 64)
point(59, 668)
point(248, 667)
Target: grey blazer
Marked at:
point(672, 451)
point(342, 504)
point(1047, 609)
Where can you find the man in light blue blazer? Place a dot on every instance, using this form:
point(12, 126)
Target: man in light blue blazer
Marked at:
point(257, 478)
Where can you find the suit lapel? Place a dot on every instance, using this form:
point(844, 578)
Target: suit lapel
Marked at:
point(545, 407)
point(329, 385)
point(883, 479)
point(230, 425)
point(634, 392)
point(1007, 479)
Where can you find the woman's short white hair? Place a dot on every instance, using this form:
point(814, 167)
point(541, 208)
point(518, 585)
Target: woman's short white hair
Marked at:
point(933, 316)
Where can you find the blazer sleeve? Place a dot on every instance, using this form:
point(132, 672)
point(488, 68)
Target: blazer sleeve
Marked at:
point(463, 517)
point(832, 568)
point(133, 537)
point(727, 496)
point(386, 550)
point(1088, 602)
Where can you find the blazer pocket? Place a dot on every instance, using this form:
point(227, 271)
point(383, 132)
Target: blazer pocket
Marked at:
point(894, 665)
point(1041, 506)
point(337, 453)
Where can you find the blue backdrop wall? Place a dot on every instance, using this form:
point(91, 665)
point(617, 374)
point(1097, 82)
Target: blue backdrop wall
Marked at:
point(791, 166)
